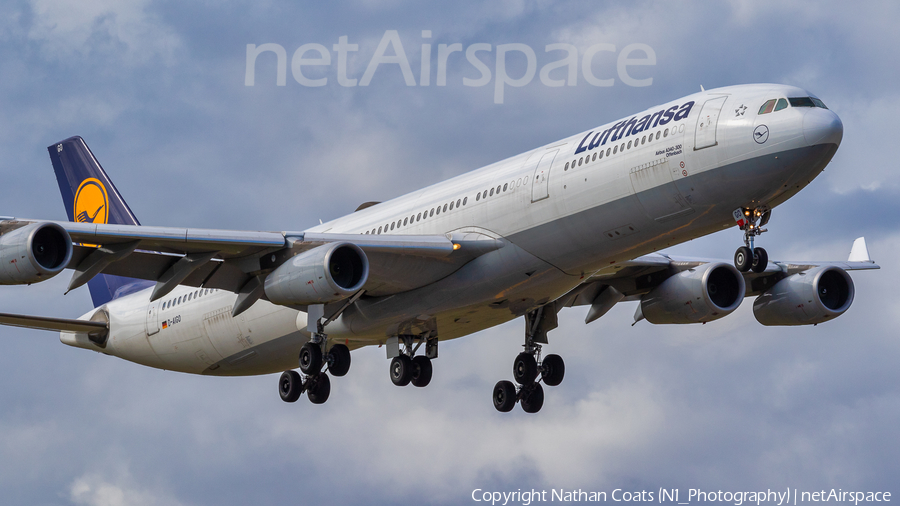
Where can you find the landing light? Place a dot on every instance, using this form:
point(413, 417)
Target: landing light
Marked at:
point(456, 246)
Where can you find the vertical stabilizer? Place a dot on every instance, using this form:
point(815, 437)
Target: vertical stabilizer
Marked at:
point(91, 197)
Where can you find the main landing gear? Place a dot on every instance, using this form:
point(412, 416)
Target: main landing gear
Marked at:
point(528, 365)
point(748, 257)
point(408, 368)
point(316, 360)
point(314, 380)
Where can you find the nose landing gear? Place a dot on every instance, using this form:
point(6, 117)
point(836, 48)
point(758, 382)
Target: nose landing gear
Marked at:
point(748, 257)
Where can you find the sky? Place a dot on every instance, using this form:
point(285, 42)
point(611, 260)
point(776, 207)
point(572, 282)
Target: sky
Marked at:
point(158, 90)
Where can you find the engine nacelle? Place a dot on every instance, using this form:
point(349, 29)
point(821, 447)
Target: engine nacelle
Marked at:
point(34, 253)
point(697, 295)
point(324, 274)
point(806, 298)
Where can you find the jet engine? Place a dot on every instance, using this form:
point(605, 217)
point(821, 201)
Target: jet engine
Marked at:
point(324, 274)
point(702, 294)
point(806, 298)
point(34, 253)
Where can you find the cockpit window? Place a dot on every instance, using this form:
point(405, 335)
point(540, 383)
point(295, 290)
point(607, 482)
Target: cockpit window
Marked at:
point(806, 102)
point(767, 107)
point(782, 104)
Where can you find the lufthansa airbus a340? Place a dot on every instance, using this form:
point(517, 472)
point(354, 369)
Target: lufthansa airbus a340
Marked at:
point(572, 223)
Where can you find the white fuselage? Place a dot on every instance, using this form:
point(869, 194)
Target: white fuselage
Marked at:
point(566, 209)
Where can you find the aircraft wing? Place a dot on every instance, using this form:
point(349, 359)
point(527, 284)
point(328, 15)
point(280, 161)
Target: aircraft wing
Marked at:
point(228, 259)
point(632, 279)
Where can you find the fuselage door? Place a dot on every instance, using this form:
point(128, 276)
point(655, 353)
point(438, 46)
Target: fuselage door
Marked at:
point(153, 318)
point(705, 134)
point(540, 182)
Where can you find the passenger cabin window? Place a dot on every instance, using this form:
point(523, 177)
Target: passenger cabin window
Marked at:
point(782, 104)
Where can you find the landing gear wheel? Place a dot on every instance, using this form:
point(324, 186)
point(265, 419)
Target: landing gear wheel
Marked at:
point(310, 358)
point(319, 388)
point(525, 368)
point(401, 370)
point(533, 399)
point(760, 260)
point(340, 356)
point(743, 259)
point(504, 396)
point(421, 371)
point(552, 370)
point(290, 386)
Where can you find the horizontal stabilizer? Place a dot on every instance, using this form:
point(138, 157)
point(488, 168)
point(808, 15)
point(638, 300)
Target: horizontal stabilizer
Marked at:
point(57, 324)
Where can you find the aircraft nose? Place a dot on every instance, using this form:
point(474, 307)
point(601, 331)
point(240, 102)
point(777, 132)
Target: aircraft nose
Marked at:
point(822, 126)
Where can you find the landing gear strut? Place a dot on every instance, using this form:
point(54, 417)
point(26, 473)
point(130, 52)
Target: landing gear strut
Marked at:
point(317, 359)
point(748, 257)
point(528, 366)
point(408, 368)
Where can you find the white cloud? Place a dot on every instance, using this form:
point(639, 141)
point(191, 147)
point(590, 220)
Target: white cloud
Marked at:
point(189, 144)
point(97, 490)
point(124, 30)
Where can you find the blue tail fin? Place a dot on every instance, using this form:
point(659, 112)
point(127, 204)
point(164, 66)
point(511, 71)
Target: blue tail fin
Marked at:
point(90, 196)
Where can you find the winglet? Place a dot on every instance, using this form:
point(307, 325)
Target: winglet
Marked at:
point(859, 252)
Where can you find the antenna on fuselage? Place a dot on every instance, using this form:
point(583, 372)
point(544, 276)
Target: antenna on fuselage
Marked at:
point(701, 88)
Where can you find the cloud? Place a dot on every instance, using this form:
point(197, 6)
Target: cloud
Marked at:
point(124, 31)
point(95, 490)
point(157, 90)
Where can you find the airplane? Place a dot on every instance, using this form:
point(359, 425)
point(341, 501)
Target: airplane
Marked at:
point(575, 222)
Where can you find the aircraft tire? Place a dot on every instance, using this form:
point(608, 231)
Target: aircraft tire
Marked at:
point(525, 368)
point(743, 259)
point(290, 386)
point(421, 371)
point(760, 260)
point(504, 396)
point(533, 400)
point(341, 360)
point(310, 358)
point(401, 370)
point(553, 369)
point(320, 389)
